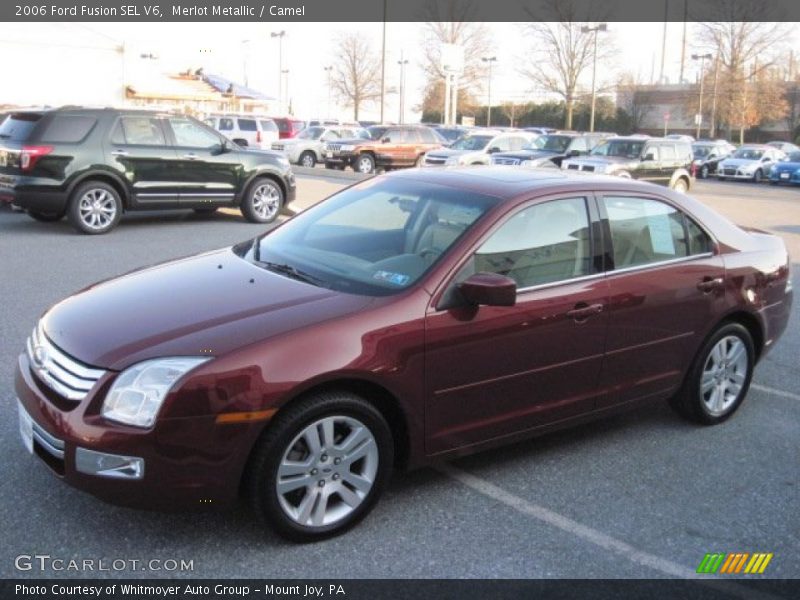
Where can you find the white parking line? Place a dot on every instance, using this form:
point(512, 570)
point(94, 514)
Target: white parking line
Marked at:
point(775, 392)
point(593, 536)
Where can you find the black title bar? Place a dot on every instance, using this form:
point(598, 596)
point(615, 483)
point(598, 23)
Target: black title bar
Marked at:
point(399, 10)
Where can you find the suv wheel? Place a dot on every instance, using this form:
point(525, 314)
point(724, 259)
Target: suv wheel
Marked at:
point(680, 185)
point(46, 217)
point(321, 466)
point(263, 201)
point(307, 159)
point(95, 208)
point(719, 377)
point(365, 164)
point(704, 172)
point(757, 176)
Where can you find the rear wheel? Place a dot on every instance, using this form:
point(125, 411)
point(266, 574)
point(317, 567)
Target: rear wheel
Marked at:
point(95, 208)
point(365, 164)
point(321, 466)
point(680, 185)
point(719, 377)
point(307, 159)
point(263, 201)
point(704, 172)
point(758, 176)
point(46, 217)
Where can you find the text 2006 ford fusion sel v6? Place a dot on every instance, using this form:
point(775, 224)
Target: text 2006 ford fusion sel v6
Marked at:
point(412, 317)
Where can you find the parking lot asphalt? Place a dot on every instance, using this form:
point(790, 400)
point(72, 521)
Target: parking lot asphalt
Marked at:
point(642, 495)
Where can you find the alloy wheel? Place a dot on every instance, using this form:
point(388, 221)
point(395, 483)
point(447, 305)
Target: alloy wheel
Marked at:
point(266, 201)
point(724, 375)
point(97, 208)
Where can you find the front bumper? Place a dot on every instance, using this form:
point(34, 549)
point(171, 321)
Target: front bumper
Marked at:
point(785, 177)
point(738, 174)
point(188, 462)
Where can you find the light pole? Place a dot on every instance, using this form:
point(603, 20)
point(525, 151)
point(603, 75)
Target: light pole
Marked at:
point(402, 62)
point(285, 73)
point(328, 70)
point(245, 48)
point(490, 60)
point(280, 35)
point(383, 62)
point(699, 118)
point(596, 29)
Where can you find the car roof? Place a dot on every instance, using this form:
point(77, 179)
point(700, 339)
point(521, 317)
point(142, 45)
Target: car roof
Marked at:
point(508, 182)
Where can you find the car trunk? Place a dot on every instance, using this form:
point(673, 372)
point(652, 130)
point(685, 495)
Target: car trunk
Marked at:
point(15, 130)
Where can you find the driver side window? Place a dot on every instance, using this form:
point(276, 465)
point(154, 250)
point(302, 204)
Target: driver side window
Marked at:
point(542, 243)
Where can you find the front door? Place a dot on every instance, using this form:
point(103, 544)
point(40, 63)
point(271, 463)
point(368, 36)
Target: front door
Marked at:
point(138, 151)
point(208, 170)
point(496, 371)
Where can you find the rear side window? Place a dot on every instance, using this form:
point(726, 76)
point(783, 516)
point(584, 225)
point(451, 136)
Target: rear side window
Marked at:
point(138, 131)
point(247, 125)
point(226, 124)
point(283, 125)
point(644, 231)
point(68, 129)
point(699, 241)
point(18, 126)
point(268, 125)
point(668, 152)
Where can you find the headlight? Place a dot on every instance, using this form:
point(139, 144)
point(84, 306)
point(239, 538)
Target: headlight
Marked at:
point(452, 161)
point(282, 161)
point(138, 392)
point(347, 148)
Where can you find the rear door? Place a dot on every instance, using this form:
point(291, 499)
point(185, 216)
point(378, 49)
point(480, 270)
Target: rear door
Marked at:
point(666, 285)
point(650, 165)
point(137, 150)
point(208, 173)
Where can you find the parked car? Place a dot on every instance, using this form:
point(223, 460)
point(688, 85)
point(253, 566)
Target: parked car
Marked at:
point(94, 164)
point(322, 123)
point(451, 134)
point(308, 147)
point(249, 131)
point(389, 147)
point(786, 170)
point(288, 127)
point(707, 156)
point(658, 160)
point(477, 148)
point(785, 147)
point(551, 148)
point(540, 130)
point(680, 136)
point(751, 162)
point(409, 318)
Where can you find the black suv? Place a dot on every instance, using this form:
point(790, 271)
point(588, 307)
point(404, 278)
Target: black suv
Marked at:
point(551, 148)
point(94, 164)
point(664, 161)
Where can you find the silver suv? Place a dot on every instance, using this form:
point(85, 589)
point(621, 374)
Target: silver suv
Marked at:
point(308, 147)
point(250, 131)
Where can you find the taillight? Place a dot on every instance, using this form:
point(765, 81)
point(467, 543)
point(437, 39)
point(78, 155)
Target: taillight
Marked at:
point(30, 156)
point(258, 137)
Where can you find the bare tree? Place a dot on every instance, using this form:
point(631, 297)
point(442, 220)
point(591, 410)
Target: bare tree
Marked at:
point(746, 47)
point(560, 51)
point(356, 77)
point(510, 110)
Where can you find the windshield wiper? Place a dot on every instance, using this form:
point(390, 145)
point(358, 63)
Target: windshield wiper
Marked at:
point(293, 272)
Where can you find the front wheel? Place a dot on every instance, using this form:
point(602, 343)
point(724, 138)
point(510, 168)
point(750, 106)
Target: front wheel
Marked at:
point(757, 176)
point(365, 164)
point(321, 466)
point(94, 208)
point(680, 185)
point(263, 201)
point(308, 159)
point(719, 377)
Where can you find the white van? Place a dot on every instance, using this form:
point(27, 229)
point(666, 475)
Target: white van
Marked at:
point(251, 131)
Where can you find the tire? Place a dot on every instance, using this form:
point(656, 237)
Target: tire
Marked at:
point(420, 161)
point(307, 159)
point(263, 201)
point(624, 175)
point(363, 479)
point(206, 211)
point(704, 172)
point(46, 217)
point(721, 178)
point(94, 208)
point(680, 185)
point(757, 176)
point(726, 359)
point(365, 164)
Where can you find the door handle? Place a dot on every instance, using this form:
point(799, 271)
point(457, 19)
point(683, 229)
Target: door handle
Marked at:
point(709, 284)
point(119, 153)
point(583, 311)
point(190, 156)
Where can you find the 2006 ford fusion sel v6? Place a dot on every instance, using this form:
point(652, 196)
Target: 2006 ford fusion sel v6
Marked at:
point(411, 317)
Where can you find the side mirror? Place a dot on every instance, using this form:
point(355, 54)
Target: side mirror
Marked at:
point(574, 153)
point(649, 156)
point(489, 289)
point(386, 140)
point(493, 149)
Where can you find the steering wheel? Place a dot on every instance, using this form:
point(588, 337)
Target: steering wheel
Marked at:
point(434, 252)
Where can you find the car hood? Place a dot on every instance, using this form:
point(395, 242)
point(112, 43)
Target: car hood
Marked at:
point(738, 162)
point(208, 304)
point(783, 167)
point(447, 153)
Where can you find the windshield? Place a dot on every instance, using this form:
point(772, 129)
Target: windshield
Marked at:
point(748, 153)
point(619, 148)
point(471, 142)
point(702, 151)
point(793, 157)
point(376, 133)
point(376, 238)
point(551, 143)
point(17, 127)
point(311, 133)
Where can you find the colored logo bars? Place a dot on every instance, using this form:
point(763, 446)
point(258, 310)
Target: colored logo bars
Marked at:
point(735, 562)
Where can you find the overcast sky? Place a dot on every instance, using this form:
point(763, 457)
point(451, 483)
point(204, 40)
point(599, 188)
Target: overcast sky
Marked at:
point(307, 48)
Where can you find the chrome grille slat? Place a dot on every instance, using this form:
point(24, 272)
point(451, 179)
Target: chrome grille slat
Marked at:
point(51, 444)
point(63, 374)
point(506, 161)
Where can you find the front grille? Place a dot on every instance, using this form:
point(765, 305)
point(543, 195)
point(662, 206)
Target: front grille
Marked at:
point(434, 160)
point(729, 171)
point(63, 374)
point(574, 167)
point(277, 146)
point(499, 160)
point(334, 147)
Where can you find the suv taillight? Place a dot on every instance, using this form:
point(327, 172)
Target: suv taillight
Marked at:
point(258, 137)
point(30, 156)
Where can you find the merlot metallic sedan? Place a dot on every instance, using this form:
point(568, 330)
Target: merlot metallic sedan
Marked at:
point(409, 318)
